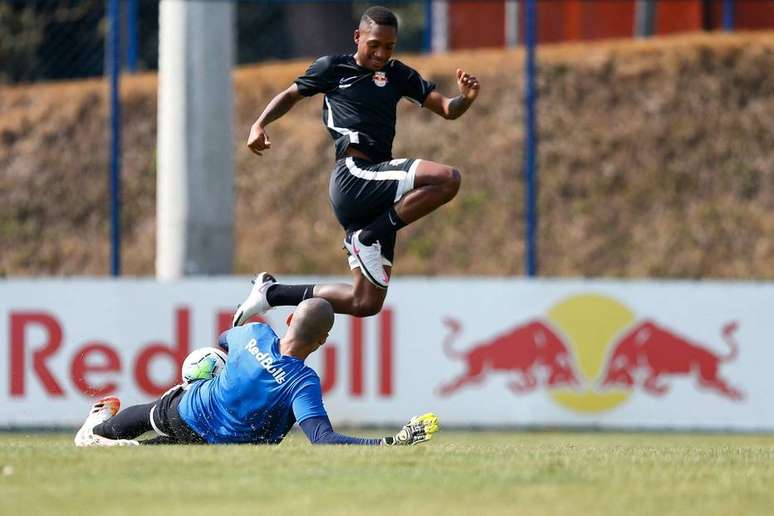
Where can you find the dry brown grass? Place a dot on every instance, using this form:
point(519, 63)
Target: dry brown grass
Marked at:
point(656, 159)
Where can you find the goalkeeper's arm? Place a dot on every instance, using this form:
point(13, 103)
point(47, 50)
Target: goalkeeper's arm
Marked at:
point(418, 430)
point(320, 431)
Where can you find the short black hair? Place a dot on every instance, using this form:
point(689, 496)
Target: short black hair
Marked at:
point(380, 16)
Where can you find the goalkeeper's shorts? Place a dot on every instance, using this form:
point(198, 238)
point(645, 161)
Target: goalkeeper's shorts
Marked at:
point(166, 420)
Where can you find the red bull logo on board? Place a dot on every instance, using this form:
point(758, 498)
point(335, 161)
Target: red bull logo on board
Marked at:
point(591, 352)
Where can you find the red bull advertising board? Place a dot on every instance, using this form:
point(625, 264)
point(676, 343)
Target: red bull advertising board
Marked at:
point(481, 352)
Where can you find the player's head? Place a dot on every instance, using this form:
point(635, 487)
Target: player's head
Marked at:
point(311, 322)
point(376, 37)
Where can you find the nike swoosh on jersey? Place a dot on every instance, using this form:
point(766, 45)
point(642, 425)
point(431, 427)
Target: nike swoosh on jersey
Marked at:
point(348, 81)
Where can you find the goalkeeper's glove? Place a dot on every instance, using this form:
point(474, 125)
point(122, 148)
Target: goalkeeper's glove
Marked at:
point(418, 430)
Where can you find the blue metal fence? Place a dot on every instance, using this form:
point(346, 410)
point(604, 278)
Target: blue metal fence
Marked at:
point(530, 140)
point(114, 58)
point(45, 39)
point(66, 39)
point(58, 39)
point(728, 15)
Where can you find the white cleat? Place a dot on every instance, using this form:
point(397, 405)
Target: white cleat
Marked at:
point(370, 259)
point(256, 303)
point(104, 441)
point(100, 412)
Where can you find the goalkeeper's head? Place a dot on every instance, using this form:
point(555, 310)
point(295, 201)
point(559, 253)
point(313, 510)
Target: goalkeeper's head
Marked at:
point(308, 327)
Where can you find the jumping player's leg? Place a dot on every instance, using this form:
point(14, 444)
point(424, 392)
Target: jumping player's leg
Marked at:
point(425, 186)
point(435, 184)
point(361, 298)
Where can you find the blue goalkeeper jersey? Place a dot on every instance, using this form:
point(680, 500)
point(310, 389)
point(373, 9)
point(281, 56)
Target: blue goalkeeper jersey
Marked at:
point(258, 395)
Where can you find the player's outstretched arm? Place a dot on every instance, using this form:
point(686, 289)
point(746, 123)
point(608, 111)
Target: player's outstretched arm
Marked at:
point(418, 430)
point(258, 140)
point(320, 431)
point(313, 420)
point(452, 108)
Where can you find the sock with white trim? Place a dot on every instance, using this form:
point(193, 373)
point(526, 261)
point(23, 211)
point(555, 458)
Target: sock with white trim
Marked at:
point(386, 223)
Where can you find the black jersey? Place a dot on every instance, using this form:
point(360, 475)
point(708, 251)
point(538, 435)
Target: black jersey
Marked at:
point(359, 104)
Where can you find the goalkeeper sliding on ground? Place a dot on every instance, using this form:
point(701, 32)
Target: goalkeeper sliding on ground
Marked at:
point(264, 389)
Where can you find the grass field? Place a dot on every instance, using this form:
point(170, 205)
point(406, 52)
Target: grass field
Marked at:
point(457, 473)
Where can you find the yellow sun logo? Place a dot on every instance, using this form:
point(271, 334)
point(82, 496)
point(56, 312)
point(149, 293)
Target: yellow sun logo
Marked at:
point(590, 323)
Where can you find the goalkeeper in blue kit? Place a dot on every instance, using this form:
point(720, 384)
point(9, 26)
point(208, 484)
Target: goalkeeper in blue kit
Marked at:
point(264, 389)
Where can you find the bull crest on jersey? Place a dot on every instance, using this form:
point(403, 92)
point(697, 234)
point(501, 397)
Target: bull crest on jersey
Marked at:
point(380, 79)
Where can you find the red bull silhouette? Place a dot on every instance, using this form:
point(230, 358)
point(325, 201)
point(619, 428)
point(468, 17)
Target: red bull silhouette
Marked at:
point(523, 350)
point(653, 351)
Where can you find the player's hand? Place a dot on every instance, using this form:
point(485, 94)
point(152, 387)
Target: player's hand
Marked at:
point(258, 140)
point(418, 430)
point(468, 85)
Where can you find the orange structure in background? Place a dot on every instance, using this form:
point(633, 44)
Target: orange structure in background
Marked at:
point(576, 20)
point(754, 14)
point(672, 17)
point(474, 24)
point(481, 23)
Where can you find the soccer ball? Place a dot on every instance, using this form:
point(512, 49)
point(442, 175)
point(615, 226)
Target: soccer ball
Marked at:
point(203, 364)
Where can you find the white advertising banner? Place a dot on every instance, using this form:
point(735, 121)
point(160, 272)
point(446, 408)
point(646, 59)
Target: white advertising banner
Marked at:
point(482, 352)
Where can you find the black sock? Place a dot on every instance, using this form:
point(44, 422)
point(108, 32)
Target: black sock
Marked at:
point(386, 223)
point(288, 295)
point(129, 423)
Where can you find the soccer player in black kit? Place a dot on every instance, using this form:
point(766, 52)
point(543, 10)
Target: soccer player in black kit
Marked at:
point(373, 195)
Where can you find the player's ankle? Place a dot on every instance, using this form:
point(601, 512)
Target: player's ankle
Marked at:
point(385, 224)
point(288, 295)
point(367, 237)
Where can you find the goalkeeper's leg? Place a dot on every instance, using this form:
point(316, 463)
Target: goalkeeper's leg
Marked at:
point(161, 416)
point(130, 423)
point(101, 411)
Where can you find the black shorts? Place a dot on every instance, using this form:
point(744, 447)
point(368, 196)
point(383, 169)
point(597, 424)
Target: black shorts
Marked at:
point(361, 190)
point(166, 420)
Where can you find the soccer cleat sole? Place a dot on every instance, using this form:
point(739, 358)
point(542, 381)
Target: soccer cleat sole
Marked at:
point(260, 280)
point(368, 275)
point(84, 436)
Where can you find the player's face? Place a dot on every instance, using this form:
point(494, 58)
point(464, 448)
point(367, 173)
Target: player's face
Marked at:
point(375, 46)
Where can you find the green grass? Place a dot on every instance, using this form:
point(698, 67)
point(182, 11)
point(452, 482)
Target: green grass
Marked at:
point(456, 473)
